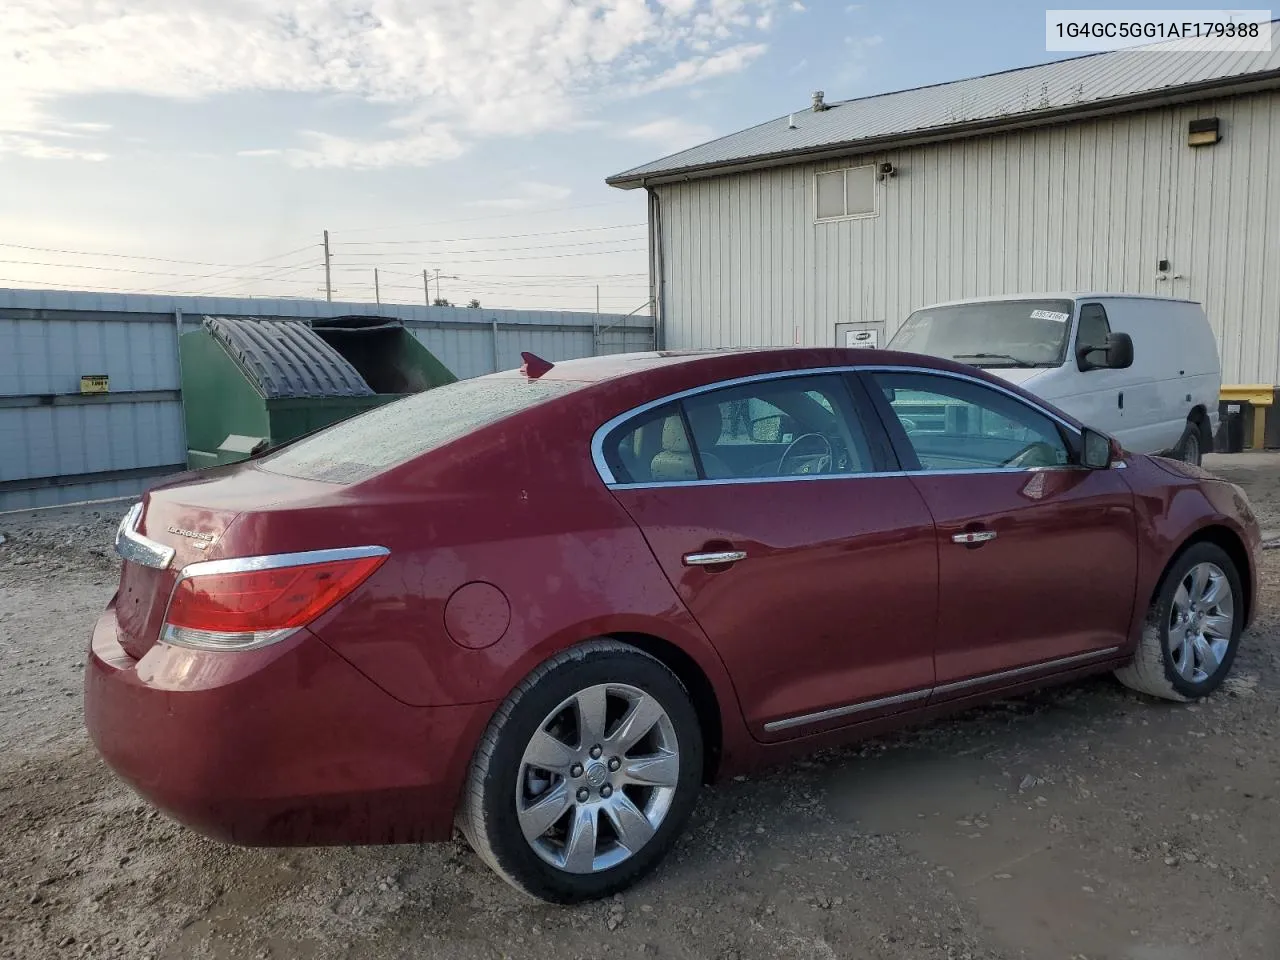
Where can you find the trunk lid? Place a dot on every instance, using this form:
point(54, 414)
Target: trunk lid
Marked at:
point(192, 515)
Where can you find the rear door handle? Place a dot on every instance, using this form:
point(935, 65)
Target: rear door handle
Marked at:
point(714, 558)
point(973, 536)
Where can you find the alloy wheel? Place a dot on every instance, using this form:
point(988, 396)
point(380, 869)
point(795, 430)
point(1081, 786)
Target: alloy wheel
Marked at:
point(1200, 622)
point(597, 778)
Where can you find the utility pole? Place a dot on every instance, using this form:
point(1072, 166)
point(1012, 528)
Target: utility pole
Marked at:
point(426, 288)
point(438, 283)
point(328, 286)
point(377, 292)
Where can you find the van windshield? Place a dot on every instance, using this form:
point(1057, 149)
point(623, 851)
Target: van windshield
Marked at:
point(998, 333)
point(355, 449)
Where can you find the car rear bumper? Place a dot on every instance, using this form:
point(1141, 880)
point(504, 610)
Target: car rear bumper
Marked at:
point(286, 745)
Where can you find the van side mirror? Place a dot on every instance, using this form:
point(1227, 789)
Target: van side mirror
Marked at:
point(1115, 354)
point(1119, 351)
point(1095, 449)
point(766, 430)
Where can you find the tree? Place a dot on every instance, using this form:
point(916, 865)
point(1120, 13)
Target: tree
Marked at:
point(441, 302)
point(474, 305)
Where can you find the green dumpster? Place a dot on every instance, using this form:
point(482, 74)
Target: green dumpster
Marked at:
point(249, 384)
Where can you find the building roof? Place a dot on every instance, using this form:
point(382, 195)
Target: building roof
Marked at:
point(1083, 86)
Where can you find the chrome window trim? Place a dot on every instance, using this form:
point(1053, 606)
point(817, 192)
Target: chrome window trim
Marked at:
point(864, 705)
point(132, 546)
point(606, 474)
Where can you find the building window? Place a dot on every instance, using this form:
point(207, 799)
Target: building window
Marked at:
point(850, 192)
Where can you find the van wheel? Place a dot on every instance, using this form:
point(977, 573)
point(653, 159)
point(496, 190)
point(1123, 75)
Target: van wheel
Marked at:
point(1189, 448)
point(1193, 628)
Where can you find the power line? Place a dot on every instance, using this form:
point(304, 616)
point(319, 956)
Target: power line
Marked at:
point(135, 256)
point(540, 246)
point(90, 266)
point(134, 290)
point(496, 216)
point(510, 236)
point(271, 276)
point(444, 264)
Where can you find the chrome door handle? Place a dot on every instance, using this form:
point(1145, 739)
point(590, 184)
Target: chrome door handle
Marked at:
point(715, 558)
point(976, 536)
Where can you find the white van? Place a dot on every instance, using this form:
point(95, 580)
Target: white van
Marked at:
point(1143, 369)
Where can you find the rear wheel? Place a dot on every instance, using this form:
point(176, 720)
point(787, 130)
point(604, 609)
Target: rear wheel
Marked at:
point(1191, 447)
point(1193, 628)
point(586, 774)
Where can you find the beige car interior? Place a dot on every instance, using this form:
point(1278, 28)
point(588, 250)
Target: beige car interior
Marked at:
point(675, 460)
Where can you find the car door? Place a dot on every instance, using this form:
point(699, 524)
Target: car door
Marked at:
point(1101, 401)
point(812, 571)
point(1037, 557)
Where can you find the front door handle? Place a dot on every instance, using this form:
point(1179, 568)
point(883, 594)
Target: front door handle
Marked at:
point(973, 537)
point(714, 558)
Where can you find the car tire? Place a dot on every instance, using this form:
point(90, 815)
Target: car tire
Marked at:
point(602, 799)
point(1190, 448)
point(1186, 621)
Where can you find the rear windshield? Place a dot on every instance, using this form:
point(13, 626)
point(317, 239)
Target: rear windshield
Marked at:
point(385, 437)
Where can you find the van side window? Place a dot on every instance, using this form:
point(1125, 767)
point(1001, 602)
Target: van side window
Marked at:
point(1093, 327)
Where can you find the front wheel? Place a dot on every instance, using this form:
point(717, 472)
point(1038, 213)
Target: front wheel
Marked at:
point(1193, 628)
point(1190, 449)
point(586, 774)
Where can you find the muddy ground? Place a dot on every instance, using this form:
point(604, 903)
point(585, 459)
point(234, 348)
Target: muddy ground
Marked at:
point(1083, 822)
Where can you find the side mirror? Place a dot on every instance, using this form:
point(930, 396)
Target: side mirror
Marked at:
point(1119, 351)
point(766, 430)
point(1115, 354)
point(1096, 449)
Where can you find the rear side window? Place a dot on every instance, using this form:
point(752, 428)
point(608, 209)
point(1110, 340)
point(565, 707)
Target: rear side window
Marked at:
point(776, 427)
point(356, 449)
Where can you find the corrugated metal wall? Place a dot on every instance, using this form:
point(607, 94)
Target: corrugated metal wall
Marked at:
point(1094, 205)
point(50, 436)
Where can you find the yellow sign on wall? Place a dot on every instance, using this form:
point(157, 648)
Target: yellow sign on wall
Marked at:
point(93, 383)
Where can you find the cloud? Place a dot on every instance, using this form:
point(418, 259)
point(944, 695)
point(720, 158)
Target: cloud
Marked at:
point(532, 194)
point(670, 133)
point(39, 148)
point(696, 69)
point(451, 72)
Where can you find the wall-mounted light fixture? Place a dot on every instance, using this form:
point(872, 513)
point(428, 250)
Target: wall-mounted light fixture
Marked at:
point(1203, 133)
point(886, 170)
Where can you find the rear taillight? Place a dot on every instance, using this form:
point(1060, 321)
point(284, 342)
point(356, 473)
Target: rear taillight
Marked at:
point(250, 602)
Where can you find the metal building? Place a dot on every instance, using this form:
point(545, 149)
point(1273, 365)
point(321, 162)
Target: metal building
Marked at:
point(60, 443)
point(1150, 171)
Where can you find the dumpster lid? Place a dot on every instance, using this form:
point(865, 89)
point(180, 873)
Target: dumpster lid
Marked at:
point(353, 323)
point(286, 358)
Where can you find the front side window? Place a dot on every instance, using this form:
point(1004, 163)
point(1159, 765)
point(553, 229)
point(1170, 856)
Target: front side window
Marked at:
point(787, 427)
point(1093, 331)
point(953, 424)
point(996, 333)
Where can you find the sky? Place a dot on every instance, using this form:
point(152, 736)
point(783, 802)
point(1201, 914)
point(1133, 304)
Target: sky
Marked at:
point(203, 146)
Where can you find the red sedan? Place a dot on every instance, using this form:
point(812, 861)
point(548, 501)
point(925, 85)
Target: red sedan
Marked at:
point(548, 604)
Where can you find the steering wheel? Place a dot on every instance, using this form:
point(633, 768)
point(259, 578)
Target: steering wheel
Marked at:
point(1037, 454)
point(806, 462)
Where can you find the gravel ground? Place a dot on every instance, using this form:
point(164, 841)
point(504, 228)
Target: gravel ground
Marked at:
point(1077, 824)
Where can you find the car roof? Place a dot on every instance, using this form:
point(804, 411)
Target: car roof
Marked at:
point(1059, 295)
point(724, 363)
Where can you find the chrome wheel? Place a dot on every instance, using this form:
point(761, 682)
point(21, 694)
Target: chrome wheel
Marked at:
point(597, 778)
point(1200, 622)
